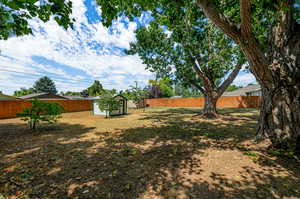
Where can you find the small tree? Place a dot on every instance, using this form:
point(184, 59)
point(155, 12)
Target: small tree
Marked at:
point(108, 103)
point(41, 111)
point(136, 94)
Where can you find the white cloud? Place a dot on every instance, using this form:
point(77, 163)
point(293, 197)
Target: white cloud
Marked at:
point(244, 79)
point(73, 48)
point(89, 48)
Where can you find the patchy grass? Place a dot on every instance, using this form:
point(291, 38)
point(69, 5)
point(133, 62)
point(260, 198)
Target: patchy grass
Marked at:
point(156, 153)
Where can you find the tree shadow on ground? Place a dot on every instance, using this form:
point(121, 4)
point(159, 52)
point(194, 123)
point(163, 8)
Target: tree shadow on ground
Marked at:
point(183, 123)
point(14, 130)
point(248, 113)
point(64, 166)
point(164, 160)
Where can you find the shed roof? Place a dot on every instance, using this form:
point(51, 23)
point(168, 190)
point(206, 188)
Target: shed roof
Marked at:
point(119, 95)
point(37, 95)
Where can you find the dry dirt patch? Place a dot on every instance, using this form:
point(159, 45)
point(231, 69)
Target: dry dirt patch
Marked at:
point(159, 153)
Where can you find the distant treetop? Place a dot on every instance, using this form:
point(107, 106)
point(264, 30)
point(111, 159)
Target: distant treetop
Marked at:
point(45, 85)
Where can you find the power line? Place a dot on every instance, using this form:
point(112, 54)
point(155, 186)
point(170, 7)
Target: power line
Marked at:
point(39, 75)
point(55, 78)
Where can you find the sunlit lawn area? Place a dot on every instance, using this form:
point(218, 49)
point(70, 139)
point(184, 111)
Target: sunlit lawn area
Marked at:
point(156, 153)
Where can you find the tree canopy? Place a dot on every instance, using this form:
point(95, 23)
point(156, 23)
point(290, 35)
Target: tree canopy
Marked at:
point(161, 88)
point(95, 89)
point(14, 15)
point(45, 85)
point(174, 54)
point(136, 94)
point(23, 91)
point(189, 49)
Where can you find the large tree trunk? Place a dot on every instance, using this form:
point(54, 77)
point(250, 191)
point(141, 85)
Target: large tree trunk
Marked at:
point(277, 71)
point(280, 81)
point(280, 111)
point(210, 106)
point(280, 117)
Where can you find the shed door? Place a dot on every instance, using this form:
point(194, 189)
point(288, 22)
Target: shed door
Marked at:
point(121, 107)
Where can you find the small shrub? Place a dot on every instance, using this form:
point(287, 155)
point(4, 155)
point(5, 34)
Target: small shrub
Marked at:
point(108, 103)
point(254, 156)
point(41, 111)
point(250, 153)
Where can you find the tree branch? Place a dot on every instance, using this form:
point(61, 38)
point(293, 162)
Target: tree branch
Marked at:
point(245, 10)
point(229, 79)
point(219, 20)
point(208, 84)
point(194, 64)
point(251, 48)
point(197, 86)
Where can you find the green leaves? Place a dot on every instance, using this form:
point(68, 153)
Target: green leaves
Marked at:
point(46, 85)
point(136, 94)
point(108, 103)
point(264, 13)
point(41, 111)
point(95, 89)
point(14, 15)
point(164, 86)
point(167, 48)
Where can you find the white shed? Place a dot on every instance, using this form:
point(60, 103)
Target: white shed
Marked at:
point(122, 110)
point(96, 109)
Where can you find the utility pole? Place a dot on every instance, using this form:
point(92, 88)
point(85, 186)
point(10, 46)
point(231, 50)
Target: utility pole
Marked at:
point(136, 85)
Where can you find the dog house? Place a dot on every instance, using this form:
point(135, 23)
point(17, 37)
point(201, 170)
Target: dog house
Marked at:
point(120, 110)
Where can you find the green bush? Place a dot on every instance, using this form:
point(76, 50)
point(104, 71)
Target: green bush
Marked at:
point(41, 111)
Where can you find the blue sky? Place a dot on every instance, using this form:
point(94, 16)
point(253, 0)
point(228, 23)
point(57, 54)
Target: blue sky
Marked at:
point(75, 58)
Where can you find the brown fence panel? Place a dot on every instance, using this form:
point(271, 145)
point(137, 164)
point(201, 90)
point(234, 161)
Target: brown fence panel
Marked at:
point(176, 102)
point(223, 102)
point(74, 105)
point(239, 102)
point(9, 108)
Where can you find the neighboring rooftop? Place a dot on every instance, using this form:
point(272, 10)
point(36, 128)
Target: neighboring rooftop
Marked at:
point(73, 97)
point(78, 97)
point(243, 91)
point(7, 97)
point(42, 96)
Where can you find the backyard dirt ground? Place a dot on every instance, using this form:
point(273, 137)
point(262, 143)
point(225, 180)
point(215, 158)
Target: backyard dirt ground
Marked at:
point(160, 153)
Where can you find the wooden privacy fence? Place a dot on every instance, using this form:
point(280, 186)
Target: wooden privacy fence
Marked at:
point(9, 108)
point(223, 102)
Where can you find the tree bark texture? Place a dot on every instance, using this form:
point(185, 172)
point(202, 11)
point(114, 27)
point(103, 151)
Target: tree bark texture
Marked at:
point(210, 105)
point(277, 70)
